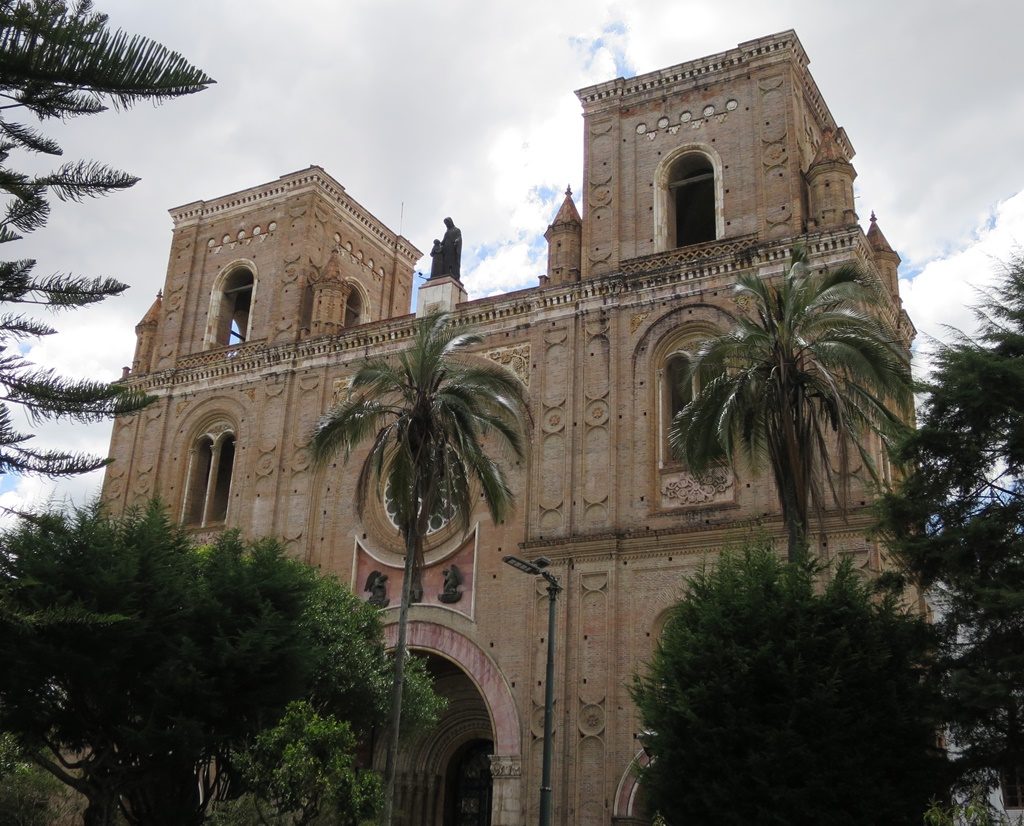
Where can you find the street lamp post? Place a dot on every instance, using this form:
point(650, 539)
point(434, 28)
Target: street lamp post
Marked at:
point(536, 568)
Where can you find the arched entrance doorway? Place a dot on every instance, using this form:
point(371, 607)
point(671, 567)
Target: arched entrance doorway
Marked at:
point(480, 709)
point(468, 786)
point(444, 775)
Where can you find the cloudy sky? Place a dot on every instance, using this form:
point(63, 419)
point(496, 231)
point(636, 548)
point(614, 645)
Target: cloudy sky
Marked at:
point(466, 108)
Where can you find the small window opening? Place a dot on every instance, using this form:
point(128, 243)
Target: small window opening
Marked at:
point(353, 308)
point(306, 308)
point(691, 186)
point(235, 305)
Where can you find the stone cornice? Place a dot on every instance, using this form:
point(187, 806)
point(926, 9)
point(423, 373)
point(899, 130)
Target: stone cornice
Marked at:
point(313, 179)
point(687, 540)
point(638, 277)
point(703, 70)
point(746, 56)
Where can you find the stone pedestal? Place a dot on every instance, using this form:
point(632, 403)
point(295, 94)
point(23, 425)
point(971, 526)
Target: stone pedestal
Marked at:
point(439, 295)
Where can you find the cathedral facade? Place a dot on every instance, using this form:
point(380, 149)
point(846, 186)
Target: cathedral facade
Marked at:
point(274, 296)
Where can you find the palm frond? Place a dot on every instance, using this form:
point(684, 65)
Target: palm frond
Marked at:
point(808, 371)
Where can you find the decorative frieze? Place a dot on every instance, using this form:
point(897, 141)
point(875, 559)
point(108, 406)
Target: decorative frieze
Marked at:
point(685, 488)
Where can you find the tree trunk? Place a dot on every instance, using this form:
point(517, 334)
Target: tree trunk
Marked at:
point(391, 760)
point(100, 811)
point(795, 518)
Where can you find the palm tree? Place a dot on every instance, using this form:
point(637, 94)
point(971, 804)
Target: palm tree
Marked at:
point(426, 413)
point(808, 369)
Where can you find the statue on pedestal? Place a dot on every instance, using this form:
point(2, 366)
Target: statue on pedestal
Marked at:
point(451, 251)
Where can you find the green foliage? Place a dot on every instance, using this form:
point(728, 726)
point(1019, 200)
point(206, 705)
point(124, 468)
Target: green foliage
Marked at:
point(427, 414)
point(957, 524)
point(28, 795)
point(137, 667)
point(305, 766)
point(976, 810)
point(801, 379)
point(61, 62)
point(772, 699)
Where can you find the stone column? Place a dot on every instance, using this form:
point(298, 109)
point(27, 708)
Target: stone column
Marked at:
point(506, 790)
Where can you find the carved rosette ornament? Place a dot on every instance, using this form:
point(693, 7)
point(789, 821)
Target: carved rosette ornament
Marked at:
point(684, 488)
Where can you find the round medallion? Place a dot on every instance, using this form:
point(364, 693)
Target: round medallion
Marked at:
point(597, 412)
point(641, 128)
point(731, 105)
point(685, 117)
point(591, 719)
point(662, 123)
point(709, 110)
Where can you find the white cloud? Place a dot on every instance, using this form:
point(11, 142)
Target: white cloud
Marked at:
point(939, 297)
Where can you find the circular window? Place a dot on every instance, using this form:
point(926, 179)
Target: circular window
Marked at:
point(442, 515)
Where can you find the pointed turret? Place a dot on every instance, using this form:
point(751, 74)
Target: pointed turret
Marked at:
point(886, 258)
point(830, 182)
point(145, 336)
point(565, 239)
point(330, 294)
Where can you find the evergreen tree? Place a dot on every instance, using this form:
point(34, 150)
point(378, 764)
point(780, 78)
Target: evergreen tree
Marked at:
point(957, 523)
point(772, 700)
point(61, 61)
point(137, 668)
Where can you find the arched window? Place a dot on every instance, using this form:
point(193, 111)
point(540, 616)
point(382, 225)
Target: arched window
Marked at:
point(208, 484)
point(677, 387)
point(232, 306)
point(677, 390)
point(691, 200)
point(353, 307)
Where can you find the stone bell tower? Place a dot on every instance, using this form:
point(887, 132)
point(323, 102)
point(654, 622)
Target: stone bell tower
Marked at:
point(723, 147)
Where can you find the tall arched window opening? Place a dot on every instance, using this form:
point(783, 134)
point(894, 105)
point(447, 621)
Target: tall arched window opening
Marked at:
point(691, 200)
point(234, 308)
point(208, 483)
point(677, 390)
point(353, 307)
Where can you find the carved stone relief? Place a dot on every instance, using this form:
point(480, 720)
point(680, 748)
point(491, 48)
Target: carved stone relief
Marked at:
point(516, 358)
point(635, 321)
point(684, 488)
point(505, 766)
